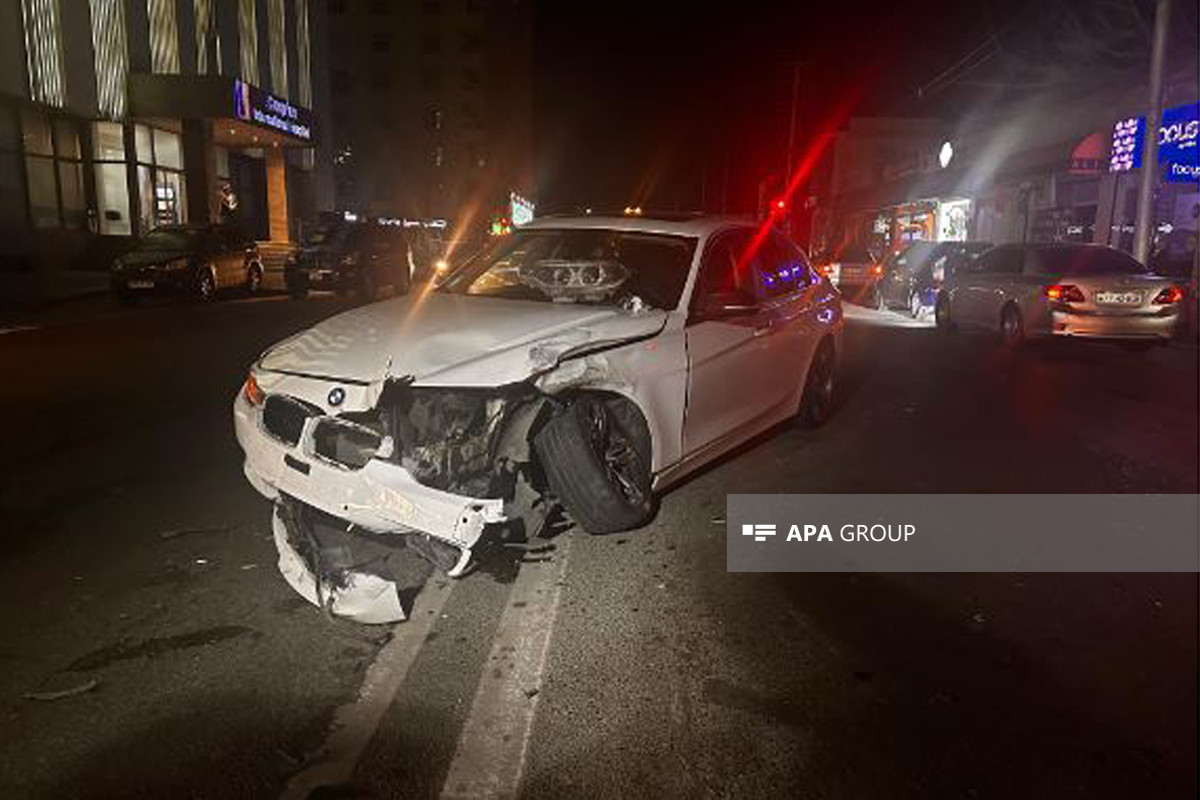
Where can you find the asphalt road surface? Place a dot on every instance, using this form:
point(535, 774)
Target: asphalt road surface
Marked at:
point(150, 649)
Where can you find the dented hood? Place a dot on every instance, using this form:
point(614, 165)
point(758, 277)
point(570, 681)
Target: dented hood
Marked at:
point(454, 340)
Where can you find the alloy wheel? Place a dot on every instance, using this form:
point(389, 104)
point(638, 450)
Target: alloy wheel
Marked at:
point(615, 451)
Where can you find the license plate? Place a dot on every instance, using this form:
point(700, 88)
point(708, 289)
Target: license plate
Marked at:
point(1119, 298)
point(141, 284)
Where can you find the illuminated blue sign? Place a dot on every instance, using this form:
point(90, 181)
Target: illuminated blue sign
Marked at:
point(1127, 139)
point(262, 108)
point(1177, 143)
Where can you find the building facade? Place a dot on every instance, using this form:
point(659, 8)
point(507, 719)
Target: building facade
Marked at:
point(117, 116)
point(433, 108)
point(1048, 168)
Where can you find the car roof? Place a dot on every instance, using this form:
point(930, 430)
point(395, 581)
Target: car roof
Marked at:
point(676, 225)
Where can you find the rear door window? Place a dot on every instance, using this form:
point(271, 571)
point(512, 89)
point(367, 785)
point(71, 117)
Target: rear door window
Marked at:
point(1001, 261)
point(782, 268)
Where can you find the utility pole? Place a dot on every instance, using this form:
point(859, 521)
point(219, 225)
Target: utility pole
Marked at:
point(1142, 236)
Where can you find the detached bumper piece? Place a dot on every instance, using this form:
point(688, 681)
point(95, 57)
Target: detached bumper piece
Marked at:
point(340, 570)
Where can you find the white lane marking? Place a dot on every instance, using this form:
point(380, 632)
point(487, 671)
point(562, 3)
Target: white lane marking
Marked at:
point(356, 722)
point(490, 758)
point(19, 329)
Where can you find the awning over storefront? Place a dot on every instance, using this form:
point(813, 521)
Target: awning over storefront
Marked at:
point(243, 115)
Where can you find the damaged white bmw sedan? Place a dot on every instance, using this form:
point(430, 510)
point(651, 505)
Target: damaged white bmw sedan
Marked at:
point(579, 363)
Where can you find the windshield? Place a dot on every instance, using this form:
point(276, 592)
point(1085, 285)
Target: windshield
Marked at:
point(1084, 261)
point(597, 267)
point(170, 239)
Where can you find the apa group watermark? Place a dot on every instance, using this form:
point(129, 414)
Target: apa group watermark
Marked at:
point(963, 533)
point(824, 533)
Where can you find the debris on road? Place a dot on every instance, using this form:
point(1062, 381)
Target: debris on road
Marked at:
point(61, 694)
point(175, 533)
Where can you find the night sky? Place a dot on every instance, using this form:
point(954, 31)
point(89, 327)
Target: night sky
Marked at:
point(662, 104)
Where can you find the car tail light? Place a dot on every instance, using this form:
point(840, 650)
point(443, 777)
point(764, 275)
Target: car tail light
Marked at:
point(251, 391)
point(1064, 293)
point(877, 270)
point(1169, 295)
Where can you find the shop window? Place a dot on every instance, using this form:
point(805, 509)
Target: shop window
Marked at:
point(112, 199)
point(112, 187)
point(108, 141)
point(142, 143)
point(161, 184)
point(35, 133)
point(43, 194)
point(170, 198)
point(53, 170)
point(167, 150)
point(66, 139)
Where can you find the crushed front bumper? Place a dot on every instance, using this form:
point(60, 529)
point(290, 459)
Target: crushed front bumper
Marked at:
point(380, 497)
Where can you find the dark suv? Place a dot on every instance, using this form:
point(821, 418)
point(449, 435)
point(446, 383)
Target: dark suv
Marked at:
point(350, 256)
point(191, 260)
point(911, 278)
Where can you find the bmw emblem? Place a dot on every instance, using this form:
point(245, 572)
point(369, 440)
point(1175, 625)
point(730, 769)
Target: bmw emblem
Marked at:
point(337, 395)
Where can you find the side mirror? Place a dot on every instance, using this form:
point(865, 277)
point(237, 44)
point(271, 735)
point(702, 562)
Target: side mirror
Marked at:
point(723, 305)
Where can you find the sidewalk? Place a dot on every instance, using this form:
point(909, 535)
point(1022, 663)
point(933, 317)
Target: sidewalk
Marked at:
point(27, 295)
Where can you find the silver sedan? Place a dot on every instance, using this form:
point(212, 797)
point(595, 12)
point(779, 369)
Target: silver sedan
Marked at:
point(1024, 290)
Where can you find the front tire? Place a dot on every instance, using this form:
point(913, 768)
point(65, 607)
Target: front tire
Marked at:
point(206, 286)
point(596, 457)
point(816, 402)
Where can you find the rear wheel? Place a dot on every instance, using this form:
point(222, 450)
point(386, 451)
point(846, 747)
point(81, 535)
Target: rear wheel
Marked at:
point(1012, 327)
point(596, 456)
point(816, 403)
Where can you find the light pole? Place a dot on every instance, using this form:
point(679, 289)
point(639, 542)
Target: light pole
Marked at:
point(1145, 205)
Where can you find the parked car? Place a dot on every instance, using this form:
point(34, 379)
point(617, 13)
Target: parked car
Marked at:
point(578, 363)
point(912, 277)
point(191, 260)
point(854, 269)
point(1060, 290)
point(343, 256)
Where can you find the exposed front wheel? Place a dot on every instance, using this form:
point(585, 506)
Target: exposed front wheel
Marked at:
point(596, 456)
point(816, 402)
